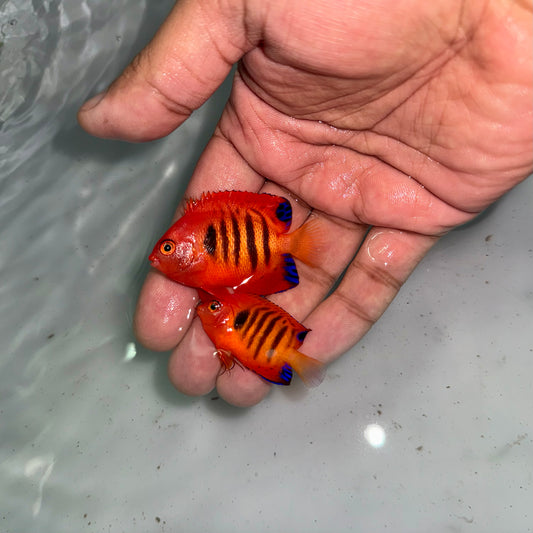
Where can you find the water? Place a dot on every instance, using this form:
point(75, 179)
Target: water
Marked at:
point(426, 425)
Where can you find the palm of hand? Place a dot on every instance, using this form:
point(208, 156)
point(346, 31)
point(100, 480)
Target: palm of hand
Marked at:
point(407, 140)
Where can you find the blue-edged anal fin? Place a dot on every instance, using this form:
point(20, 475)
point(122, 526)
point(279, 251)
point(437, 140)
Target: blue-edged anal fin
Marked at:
point(284, 377)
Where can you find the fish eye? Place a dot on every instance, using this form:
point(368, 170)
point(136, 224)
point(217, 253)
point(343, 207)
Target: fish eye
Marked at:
point(167, 247)
point(214, 306)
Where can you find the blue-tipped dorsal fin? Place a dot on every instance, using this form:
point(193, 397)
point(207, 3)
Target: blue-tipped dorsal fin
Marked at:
point(284, 212)
point(302, 334)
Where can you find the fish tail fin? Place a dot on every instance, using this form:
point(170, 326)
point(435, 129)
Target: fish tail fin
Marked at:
point(307, 242)
point(311, 371)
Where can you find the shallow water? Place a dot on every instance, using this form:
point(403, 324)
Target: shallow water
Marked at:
point(426, 425)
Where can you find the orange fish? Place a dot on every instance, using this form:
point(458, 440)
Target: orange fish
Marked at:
point(259, 335)
point(236, 239)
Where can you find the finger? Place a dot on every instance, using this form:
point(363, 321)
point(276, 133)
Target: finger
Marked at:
point(242, 388)
point(193, 365)
point(372, 280)
point(164, 312)
point(181, 67)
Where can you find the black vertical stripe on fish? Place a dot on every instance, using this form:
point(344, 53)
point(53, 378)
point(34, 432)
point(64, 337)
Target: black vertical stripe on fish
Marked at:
point(250, 241)
point(240, 318)
point(276, 341)
point(265, 334)
point(266, 240)
point(258, 326)
point(236, 239)
point(225, 240)
point(250, 322)
point(265, 235)
point(210, 240)
point(292, 334)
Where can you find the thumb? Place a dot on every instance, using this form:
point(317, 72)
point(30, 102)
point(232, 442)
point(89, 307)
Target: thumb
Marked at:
point(185, 62)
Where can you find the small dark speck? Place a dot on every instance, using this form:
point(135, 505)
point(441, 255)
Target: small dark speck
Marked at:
point(85, 515)
point(275, 454)
point(448, 386)
point(51, 336)
point(379, 412)
point(467, 520)
point(488, 238)
point(36, 278)
point(157, 519)
point(215, 398)
point(419, 448)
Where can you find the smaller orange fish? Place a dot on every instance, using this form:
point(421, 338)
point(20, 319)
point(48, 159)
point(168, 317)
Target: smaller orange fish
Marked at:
point(259, 335)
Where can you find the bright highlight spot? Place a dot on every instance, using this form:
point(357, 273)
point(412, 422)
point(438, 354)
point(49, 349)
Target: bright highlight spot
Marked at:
point(131, 351)
point(39, 469)
point(375, 435)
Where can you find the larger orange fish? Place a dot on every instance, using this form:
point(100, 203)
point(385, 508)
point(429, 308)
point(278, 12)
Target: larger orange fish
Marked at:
point(235, 239)
point(258, 334)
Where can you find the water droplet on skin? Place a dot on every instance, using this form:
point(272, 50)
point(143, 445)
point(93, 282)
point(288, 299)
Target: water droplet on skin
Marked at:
point(169, 311)
point(174, 306)
point(381, 247)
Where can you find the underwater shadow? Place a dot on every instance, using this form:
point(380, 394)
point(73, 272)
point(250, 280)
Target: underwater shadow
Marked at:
point(486, 213)
point(160, 380)
point(77, 144)
point(73, 141)
point(214, 403)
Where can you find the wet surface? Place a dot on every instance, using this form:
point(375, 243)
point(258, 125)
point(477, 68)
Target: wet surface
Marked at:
point(425, 425)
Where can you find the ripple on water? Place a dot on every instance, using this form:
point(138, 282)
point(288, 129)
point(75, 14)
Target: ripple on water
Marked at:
point(41, 44)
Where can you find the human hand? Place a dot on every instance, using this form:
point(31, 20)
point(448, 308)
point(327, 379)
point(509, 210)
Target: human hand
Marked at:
point(392, 122)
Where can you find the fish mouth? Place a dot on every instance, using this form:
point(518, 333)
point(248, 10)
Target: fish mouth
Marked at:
point(154, 261)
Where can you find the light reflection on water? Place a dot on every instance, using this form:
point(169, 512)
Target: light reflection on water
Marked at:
point(375, 435)
point(38, 469)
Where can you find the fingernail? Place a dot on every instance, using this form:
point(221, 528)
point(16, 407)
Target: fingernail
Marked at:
point(93, 102)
